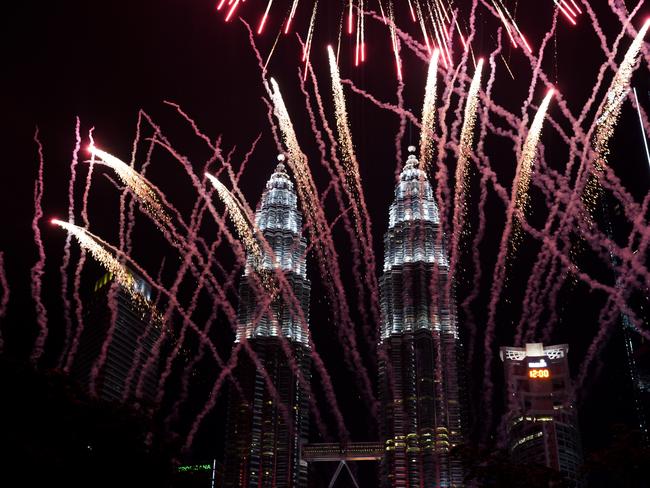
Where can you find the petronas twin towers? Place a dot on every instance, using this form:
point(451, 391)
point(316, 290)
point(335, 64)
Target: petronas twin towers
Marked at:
point(418, 353)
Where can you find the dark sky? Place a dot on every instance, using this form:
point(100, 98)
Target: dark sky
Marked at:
point(103, 61)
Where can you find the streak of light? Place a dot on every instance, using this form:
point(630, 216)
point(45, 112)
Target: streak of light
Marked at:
point(140, 187)
point(529, 152)
point(614, 100)
point(120, 273)
point(237, 216)
point(643, 135)
point(429, 112)
point(266, 14)
point(232, 10)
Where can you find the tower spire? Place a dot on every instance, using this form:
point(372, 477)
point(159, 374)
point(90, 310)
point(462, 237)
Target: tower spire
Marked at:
point(263, 447)
point(419, 346)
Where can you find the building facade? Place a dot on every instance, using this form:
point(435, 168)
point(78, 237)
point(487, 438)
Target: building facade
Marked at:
point(541, 420)
point(127, 319)
point(266, 428)
point(420, 383)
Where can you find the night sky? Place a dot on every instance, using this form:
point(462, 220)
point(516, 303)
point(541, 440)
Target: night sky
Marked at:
point(104, 61)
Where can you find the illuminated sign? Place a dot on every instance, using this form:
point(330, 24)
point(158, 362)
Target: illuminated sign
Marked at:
point(194, 467)
point(538, 364)
point(539, 373)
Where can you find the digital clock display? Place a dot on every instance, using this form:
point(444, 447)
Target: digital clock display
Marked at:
point(539, 373)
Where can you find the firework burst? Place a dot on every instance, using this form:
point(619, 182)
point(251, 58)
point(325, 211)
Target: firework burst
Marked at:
point(138, 184)
point(439, 24)
point(241, 223)
point(529, 154)
point(90, 243)
point(429, 112)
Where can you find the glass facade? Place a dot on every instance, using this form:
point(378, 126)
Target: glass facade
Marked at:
point(541, 420)
point(420, 348)
point(265, 430)
point(283, 249)
point(131, 332)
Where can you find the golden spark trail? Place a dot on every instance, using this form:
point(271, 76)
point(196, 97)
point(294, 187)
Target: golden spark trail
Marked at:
point(310, 35)
point(529, 154)
point(393, 39)
point(297, 161)
point(464, 152)
point(615, 96)
point(645, 139)
point(345, 137)
point(429, 112)
point(607, 121)
point(141, 188)
point(241, 223)
point(286, 127)
point(467, 136)
point(97, 251)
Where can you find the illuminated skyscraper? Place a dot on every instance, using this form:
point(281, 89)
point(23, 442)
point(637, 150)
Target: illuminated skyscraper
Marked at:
point(420, 348)
point(265, 432)
point(129, 326)
point(542, 425)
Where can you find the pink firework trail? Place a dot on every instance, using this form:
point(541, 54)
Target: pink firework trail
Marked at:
point(438, 26)
point(4, 301)
point(66, 249)
point(69, 350)
point(39, 267)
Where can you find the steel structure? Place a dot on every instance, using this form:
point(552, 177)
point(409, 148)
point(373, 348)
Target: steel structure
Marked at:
point(420, 349)
point(265, 432)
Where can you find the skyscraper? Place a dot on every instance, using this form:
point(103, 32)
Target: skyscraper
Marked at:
point(541, 420)
point(130, 323)
point(265, 432)
point(420, 347)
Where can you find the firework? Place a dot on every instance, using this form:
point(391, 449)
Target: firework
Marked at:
point(351, 166)
point(139, 185)
point(614, 101)
point(241, 223)
point(610, 113)
point(439, 24)
point(643, 136)
point(456, 118)
point(529, 153)
point(464, 153)
point(429, 113)
point(89, 243)
point(467, 132)
point(4, 301)
point(38, 269)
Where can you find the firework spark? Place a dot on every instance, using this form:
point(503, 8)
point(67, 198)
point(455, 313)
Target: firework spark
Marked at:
point(38, 270)
point(645, 139)
point(529, 153)
point(241, 223)
point(351, 166)
point(610, 113)
point(141, 188)
point(464, 154)
point(435, 21)
point(467, 133)
point(615, 96)
point(88, 242)
point(429, 112)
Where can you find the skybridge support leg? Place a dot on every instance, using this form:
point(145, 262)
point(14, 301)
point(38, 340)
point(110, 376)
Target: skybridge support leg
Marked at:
point(338, 471)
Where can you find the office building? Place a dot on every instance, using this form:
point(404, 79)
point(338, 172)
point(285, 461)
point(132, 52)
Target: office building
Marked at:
point(265, 431)
point(542, 426)
point(420, 385)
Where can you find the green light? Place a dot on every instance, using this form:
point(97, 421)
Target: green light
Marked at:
point(194, 467)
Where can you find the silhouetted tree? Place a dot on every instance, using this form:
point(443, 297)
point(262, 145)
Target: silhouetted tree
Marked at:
point(494, 468)
point(52, 434)
point(625, 461)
